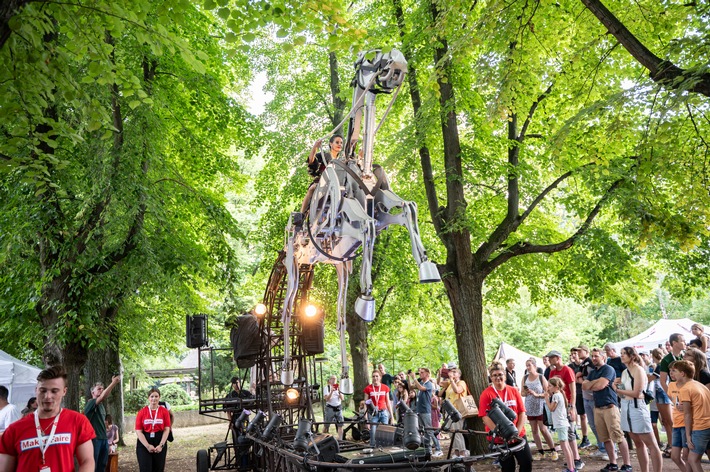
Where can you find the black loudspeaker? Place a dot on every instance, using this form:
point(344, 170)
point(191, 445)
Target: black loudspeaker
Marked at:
point(312, 334)
point(196, 330)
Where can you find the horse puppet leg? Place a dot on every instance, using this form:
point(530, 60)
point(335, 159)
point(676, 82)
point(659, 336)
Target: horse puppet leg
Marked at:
point(343, 269)
point(359, 225)
point(386, 200)
point(292, 287)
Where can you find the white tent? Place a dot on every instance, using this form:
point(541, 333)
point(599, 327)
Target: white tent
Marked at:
point(506, 351)
point(659, 333)
point(19, 377)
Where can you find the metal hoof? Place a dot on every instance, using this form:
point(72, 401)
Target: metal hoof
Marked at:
point(346, 386)
point(365, 307)
point(428, 273)
point(287, 377)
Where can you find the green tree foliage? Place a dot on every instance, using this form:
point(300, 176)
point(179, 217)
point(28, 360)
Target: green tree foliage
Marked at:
point(119, 139)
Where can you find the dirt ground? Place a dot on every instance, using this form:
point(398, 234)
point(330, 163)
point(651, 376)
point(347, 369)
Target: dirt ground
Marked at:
point(182, 453)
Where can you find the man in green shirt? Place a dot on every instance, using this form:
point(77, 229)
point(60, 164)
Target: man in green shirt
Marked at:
point(96, 413)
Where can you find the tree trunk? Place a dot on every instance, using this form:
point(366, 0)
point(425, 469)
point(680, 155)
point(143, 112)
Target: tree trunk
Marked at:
point(465, 294)
point(357, 340)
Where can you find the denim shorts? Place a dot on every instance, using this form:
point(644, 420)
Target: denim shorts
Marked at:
point(662, 397)
point(679, 439)
point(654, 416)
point(701, 439)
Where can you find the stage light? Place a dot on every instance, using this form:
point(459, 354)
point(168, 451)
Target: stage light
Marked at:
point(410, 424)
point(273, 426)
point(243, 418)
point(300, 442)
point(257, 420)
point(260, 310)
point(311, 310)
point(449, 409)
point(510, 414)
point(292, 396)
point(504, 427)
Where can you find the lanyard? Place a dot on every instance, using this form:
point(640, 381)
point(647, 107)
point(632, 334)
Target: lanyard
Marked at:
point(45, 441)
point(152, 420)
point(505, 400)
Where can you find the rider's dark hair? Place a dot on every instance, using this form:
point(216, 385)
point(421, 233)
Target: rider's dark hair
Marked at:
point(332, 138)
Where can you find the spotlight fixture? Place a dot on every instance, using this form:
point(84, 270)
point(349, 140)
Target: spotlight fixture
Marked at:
point(272, 427)
point(292, 396)
point(300, 442)
point(410, 423)
point(311, 310)
point(504, 427)
point(260, 310)
point(256, 421)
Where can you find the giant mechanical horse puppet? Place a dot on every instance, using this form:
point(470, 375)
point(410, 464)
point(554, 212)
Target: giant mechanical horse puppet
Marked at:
point(351, 204)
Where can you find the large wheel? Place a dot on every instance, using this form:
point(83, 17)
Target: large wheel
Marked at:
point(203, 461)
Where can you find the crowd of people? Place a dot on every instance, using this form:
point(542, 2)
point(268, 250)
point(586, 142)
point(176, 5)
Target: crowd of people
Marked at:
point(616, 395)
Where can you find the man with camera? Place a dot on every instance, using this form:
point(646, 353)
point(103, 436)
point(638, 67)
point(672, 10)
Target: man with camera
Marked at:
point(333, 406)
point(95, 411)
point(510, 396)
point(425, 389)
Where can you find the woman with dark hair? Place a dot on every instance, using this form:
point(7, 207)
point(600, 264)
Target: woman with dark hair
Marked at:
point(635, 417)
point(30, 408)
point(152, 430)
point(317, 162)
point(702, 374)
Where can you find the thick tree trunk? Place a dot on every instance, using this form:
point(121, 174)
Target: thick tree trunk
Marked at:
point(101, 366)
point(465, 294)
point(357, 340)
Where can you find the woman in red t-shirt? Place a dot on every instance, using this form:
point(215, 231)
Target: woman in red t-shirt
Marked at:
point(152, 430)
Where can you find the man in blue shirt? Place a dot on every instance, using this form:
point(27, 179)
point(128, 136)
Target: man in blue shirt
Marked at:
point(607, 418)
point(423, 409)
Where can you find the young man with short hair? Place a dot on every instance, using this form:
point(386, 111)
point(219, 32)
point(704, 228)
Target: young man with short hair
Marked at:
point(8, 412)
point(51, 437)
point(695, 398)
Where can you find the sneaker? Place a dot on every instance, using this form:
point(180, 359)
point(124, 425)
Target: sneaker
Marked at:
point(599, 455)
point(610, 468)
point(496, 463)
point(626, 468)
point(437, 454)
point(554, 456)
point(585, 443)
point(578, 464)
point(538, 456)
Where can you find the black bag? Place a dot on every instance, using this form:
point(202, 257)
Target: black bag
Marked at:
point(648, 395)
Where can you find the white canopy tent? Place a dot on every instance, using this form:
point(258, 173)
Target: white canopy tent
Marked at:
point(659, 333)
point(19, 377)
point(506, 351)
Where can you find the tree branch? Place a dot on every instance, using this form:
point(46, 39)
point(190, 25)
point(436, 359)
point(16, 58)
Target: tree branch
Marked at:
point(384, 300)
point(521, 248)
point(662, 72)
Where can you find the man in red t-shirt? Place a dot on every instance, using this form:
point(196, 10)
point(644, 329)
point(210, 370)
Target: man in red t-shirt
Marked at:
point(511, 397)
point(64, 433)
point(378, 395)
point(566, 374)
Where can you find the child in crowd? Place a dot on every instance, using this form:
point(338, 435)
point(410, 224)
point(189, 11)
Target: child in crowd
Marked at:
point(557, 404)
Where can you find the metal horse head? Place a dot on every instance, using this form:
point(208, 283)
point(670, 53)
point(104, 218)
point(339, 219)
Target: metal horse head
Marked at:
point(352, 203)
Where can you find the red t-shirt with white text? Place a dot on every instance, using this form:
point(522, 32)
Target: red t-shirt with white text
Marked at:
point(20, 441)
